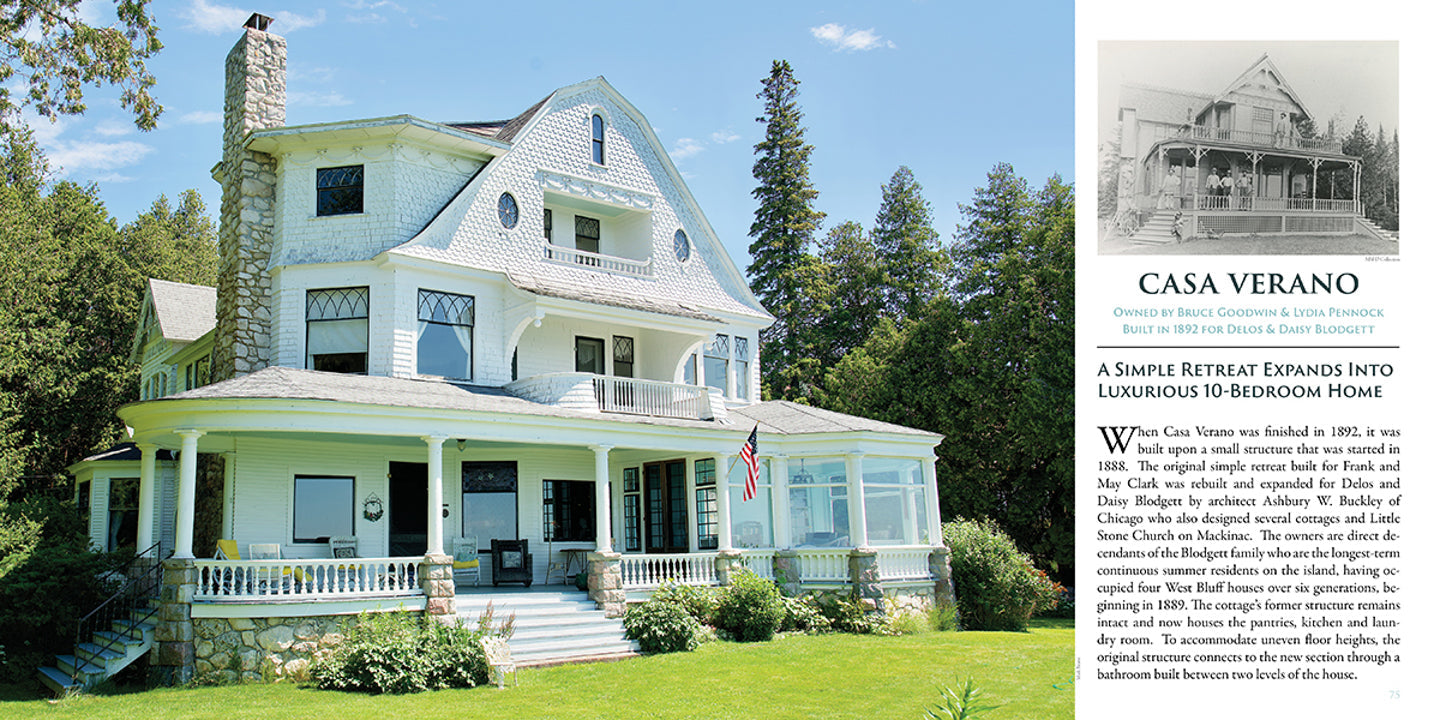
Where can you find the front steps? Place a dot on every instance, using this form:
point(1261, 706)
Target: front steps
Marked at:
point(552, 625)
point(106, 653)
point(1157, 230)
point(1378, 231)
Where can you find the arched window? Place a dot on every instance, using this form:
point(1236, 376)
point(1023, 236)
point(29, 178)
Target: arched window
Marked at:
point(597, 139)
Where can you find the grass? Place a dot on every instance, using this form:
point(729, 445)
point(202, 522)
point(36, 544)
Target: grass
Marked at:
point(1029, 675)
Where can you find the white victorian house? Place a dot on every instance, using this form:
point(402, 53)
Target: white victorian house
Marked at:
point(430, 335)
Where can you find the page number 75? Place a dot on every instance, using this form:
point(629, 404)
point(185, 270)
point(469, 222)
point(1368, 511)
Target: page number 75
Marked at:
point(1394, 694)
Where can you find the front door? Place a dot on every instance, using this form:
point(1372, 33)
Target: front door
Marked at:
point(408, 492)
point(666, 522)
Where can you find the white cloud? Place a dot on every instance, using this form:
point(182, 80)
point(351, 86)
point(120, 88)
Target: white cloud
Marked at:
point(838, 38)
point(112, 128)
point(686, 147)
point(368, 14)
point(219, 19)
point(85, 157)
point(202, 117)
point(301, 98)
point(720, 137)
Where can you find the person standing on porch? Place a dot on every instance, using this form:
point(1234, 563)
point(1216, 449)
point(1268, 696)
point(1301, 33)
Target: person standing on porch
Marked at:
point(1212, 183)
point(1242, 189)
point(1170, 191)
point(1227, 186)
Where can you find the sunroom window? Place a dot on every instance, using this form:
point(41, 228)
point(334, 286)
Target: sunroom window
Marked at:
point(337, 330)
point(446, 332)
point(895, 503)
point(750, 519)
point(819, 503)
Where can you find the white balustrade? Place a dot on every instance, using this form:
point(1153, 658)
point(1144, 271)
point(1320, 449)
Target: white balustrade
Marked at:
point(761, 562)
point(904, 563)
point(824, 565)
point(651, 397)
point(644, 571)
point(598, 261)
point(310, 579)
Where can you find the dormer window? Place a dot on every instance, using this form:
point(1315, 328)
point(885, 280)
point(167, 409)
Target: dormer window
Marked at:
point(597, 139)
point(340, 190)
point(337, 330)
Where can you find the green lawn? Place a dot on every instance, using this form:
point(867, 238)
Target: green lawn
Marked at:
point(830, 676)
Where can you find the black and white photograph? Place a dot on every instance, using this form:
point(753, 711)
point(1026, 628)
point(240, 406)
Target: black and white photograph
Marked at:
point(1249, 148)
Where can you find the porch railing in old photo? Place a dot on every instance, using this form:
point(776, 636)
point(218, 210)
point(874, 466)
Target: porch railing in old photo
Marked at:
point(265, 580)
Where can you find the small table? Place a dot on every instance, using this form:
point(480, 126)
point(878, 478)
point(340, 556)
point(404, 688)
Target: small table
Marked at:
point(575, 556)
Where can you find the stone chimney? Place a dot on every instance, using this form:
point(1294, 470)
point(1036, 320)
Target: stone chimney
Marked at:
point(254, 100)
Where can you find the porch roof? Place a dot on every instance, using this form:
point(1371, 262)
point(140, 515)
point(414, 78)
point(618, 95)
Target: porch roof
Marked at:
point(788, 418)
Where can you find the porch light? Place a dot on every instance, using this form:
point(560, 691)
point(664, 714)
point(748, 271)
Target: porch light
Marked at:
point(460, 444)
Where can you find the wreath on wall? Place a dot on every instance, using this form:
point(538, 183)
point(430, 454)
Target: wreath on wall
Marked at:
point(374, 508)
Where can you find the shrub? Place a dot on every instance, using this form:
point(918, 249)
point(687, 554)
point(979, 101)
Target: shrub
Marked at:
point(750, 609)
point(996, 586)
point(661, 626)
point(803, 614)
point(942, 615)
point(853, 616)
point(906, 622)
point(1064, 603)
point(698, 602)
point(959, 706)
point(398, 653)
point(47, 589)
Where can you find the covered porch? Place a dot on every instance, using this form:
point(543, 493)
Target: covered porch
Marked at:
point(651, 500)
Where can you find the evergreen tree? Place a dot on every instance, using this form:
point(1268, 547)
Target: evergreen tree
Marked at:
point(853, 273)
point(783, 272)
point(908, 247)
point(999, 219)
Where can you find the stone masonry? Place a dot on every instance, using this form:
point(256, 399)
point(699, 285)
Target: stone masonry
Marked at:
point(437, 579)
point(172, 660)
point(254, 100)
point(865, 576)
point(231, 650)
point(604, 583)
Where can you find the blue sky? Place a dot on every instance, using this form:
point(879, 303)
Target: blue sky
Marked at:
point(948, 89)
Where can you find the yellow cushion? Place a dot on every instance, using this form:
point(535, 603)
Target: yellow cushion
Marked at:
point(467, 564)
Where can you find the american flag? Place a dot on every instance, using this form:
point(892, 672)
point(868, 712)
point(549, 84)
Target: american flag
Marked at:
point(752, 465)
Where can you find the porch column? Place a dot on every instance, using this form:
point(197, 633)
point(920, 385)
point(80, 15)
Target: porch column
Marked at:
point(435, 528)
point(145, 522)
point(227, 504)
point(602, 498)
point(185, 513)
point(780, 500)
point(932, 501)
point(859, 536)
point(722, 501)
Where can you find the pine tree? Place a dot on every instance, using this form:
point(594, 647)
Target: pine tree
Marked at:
point(853, 271)
point(782, 270)
point(908, 247)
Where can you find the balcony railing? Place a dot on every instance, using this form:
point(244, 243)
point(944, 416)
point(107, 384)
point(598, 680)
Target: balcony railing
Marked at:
point(304, 579)
point(598, 261)
point(650, 397)
point(1247, 137)
point(630, 396)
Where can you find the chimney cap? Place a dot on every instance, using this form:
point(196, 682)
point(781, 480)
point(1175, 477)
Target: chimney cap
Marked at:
point(259, 22)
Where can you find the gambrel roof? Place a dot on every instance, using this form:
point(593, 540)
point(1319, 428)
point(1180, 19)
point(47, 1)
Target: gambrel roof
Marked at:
point(538, 162)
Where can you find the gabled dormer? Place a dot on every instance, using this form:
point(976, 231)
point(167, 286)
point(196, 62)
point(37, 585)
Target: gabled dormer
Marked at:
point(174, 337)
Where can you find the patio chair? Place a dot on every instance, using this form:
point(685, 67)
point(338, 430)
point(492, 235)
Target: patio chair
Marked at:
point(344, 547)
point(227, 550)
point(467, 560)
point(511, 561)
point(271, 551)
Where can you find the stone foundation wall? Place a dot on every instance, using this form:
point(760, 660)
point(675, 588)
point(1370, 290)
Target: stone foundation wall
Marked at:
point(232, 650)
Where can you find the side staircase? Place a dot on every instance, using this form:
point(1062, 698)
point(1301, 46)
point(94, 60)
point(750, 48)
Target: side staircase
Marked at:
point(114, 635)
point(1378, 231)
point(1157, 230)
point(553, 625)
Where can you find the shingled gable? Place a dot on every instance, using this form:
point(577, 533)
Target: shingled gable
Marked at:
point(465, 232)
point(1264, 63)
point(184, 312)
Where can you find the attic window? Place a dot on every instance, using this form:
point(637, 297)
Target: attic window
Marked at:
point(340, 190)
point(597, 139)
